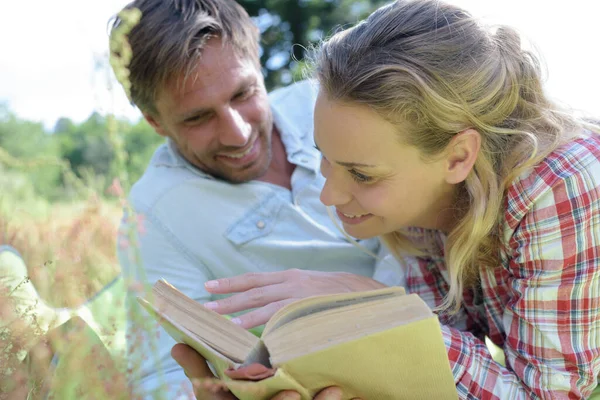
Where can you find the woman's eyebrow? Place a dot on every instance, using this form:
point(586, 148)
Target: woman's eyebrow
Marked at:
point(349, 164)
point(353, 164)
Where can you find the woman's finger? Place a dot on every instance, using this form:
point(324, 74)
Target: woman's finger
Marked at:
point(253, 298)
point(242, 283)
point(262, 315)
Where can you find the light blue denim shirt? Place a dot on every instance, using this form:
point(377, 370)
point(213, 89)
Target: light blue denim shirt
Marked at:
point(197, 228)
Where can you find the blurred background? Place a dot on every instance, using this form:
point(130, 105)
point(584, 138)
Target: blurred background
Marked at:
point(56, 89)
point(70, 144)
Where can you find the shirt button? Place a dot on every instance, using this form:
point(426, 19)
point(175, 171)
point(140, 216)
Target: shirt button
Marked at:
point(260, 224)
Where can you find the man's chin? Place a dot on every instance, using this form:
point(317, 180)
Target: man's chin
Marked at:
point(242, 175)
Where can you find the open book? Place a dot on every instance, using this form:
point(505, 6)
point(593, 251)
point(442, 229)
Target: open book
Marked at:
point(380, 344)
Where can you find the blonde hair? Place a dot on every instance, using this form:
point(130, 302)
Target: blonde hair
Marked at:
point(434, 71)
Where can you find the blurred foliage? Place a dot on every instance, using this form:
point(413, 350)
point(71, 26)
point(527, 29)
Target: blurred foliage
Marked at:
point(49, 163)
point(289, 27)
point(35, 162)
point(27, 140)
point(56, 210)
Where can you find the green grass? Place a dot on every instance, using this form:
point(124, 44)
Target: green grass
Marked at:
point(70, 254)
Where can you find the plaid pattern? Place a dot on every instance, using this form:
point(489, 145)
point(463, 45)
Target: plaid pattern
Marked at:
point(542, 303)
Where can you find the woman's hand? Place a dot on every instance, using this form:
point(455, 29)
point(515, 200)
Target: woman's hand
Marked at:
point(270, 291)
point(207, 387)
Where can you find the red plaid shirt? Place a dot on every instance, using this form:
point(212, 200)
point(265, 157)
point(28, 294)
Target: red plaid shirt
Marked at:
point(542, 303)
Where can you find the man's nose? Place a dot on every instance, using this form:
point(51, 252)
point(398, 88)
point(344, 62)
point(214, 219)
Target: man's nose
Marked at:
point(234, 130)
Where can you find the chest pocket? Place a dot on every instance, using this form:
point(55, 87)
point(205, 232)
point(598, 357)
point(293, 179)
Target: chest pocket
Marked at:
point(276, 235)
point(258, 222)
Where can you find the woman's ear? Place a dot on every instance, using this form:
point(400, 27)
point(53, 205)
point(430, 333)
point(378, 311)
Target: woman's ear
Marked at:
point(461, 154)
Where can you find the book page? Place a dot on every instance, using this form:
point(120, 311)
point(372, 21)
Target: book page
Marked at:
point(316, 304)
point(182, 335)
point(212, 328)
point(338, 325)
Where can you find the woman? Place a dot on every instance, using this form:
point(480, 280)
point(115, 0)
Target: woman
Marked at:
point(436, 135)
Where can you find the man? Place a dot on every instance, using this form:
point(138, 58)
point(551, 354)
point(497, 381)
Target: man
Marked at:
point(235, 188)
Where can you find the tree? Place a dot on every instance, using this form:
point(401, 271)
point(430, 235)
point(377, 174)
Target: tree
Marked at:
point(31, 152)
point(140, 143)
point(21, 138)
point(86, 146)
point(289, 27)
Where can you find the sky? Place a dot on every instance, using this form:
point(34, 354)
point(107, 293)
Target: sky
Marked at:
point(53, 53)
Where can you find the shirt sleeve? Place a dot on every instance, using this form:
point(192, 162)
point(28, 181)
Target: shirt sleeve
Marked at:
point(158, 255)
point(552, 320)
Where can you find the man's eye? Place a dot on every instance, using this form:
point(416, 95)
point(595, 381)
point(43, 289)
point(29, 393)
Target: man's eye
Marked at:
point(198, 119)
point(244, 95)
point(360, 178)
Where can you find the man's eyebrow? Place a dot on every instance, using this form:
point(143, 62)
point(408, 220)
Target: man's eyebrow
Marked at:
point(349, 164)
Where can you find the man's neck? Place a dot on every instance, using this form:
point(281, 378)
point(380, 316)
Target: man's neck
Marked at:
point(280, 170)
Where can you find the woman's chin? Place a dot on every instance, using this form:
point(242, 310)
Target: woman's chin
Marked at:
point(360, 234)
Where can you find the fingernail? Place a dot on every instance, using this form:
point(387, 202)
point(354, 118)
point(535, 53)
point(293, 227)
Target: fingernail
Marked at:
point(236, 321)
point(211, 284)
point(211, 305)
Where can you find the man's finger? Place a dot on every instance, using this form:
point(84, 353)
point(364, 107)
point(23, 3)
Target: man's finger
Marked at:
point(197, 371)
point(330, 393)
point(193, 363)
point(244, 282)
point(287, 395)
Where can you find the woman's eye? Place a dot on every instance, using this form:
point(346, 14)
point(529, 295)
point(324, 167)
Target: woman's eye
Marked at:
point(360, 178)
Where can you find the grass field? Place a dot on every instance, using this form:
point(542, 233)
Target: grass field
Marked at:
point(69, 250)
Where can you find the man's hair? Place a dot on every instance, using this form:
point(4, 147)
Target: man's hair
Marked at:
point(167, 42)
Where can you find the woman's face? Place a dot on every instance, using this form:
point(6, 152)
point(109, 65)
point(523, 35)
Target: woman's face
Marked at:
point(376, 183)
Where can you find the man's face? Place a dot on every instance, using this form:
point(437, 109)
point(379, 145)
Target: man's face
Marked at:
point(221, 121)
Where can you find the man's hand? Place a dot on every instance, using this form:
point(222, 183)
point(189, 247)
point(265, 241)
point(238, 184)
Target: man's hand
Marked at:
point(207, 387)
point(270, 291)
point(330, 393)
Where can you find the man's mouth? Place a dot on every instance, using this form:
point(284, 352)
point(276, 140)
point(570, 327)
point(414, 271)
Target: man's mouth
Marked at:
point(242, 153)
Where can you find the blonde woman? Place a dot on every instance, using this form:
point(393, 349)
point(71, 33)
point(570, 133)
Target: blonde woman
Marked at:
point(436, 135)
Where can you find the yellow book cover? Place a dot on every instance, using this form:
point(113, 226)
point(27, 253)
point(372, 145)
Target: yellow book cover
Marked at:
point(375, 345)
